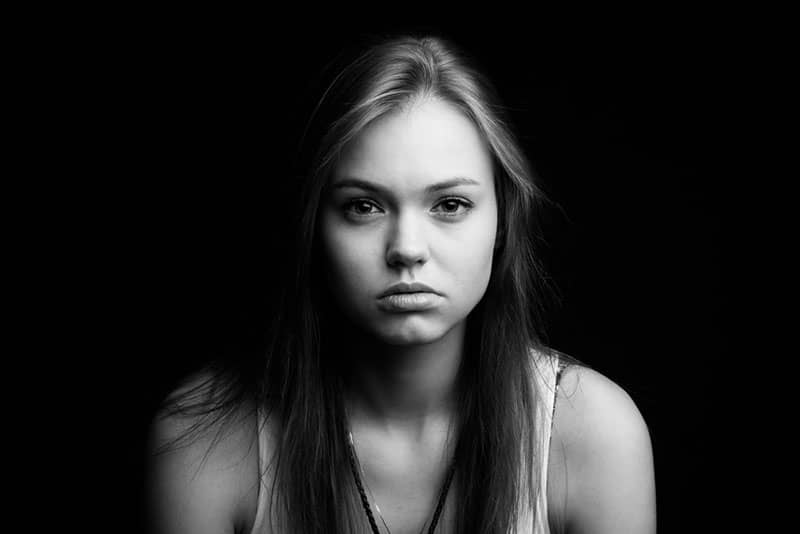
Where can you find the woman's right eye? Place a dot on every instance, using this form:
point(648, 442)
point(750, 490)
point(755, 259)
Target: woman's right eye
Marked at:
point(359, 207)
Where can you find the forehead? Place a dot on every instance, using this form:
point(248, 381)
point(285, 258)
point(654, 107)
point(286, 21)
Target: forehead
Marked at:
point(427, 142)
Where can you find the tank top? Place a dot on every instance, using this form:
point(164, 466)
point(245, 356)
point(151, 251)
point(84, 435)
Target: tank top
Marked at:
point(547, 375)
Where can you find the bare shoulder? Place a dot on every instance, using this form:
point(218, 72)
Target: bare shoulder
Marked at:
point(206, 480)
point(602, 456)
point(592, 407)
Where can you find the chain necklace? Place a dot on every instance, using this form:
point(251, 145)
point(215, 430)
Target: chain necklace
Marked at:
point(365, 501)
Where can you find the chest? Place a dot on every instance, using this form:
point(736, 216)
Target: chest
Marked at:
point(403, 480)
point(406, 487)
point(406, 505)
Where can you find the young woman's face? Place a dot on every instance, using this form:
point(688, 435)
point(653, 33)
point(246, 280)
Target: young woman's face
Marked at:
point(411, 200)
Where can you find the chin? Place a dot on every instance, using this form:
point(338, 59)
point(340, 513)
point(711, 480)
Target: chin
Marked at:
point(411, 332)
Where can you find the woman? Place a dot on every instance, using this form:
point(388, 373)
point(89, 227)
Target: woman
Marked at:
point(405, 387)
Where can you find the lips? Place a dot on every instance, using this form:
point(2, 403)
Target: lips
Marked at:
point(409, 302)
point(403, 287)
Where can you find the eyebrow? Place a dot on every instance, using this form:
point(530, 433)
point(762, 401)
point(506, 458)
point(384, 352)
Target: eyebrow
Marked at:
point(371, 186)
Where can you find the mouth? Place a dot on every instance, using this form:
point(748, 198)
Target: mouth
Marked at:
point(404, 288)
point(409, 301)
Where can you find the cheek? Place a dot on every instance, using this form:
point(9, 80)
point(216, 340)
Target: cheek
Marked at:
point(471, 256)
point(347, 259)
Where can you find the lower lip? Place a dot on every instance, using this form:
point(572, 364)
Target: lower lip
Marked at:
point(407, 302)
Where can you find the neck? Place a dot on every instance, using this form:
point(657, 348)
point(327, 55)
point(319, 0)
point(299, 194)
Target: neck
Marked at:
point(404, 387)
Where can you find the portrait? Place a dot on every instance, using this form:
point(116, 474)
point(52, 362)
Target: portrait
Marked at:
point(415, 279)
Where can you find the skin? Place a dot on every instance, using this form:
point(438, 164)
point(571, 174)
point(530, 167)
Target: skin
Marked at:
point(400, 394)
point(406, 363)
point(601, 476)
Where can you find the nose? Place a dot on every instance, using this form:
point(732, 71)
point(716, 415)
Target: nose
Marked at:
point(407, 244)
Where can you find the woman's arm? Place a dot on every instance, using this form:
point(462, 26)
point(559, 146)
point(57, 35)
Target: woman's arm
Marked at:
point(609, 480)
point(197, 489)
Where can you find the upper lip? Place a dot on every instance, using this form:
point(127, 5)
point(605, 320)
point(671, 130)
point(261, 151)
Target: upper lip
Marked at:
point(404, 287)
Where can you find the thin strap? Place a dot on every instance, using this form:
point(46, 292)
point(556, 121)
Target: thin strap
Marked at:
point(561, 366)
point(536, 520)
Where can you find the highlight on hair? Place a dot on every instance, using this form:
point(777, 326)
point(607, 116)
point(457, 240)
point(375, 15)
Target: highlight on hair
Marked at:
point(298, 386)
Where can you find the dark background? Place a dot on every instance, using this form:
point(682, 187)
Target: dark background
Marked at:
point(625, 121)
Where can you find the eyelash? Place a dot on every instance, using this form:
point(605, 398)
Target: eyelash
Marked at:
point(461, 202)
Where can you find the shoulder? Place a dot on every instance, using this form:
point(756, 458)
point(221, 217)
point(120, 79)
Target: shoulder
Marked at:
point(201, 478)
point(591, 408)
point(606, 452)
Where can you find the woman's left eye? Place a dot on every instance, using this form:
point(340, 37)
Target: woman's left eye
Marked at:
point(453, 204)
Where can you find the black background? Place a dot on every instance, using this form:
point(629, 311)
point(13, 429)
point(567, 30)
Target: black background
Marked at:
point(624, 116)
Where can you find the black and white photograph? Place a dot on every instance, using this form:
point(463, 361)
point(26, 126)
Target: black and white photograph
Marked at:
point(417, 276)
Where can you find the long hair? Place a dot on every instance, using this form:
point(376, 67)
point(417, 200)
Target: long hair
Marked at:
point(298, 384)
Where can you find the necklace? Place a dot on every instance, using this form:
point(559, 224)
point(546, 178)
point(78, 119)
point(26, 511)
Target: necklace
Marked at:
point(365, 501)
